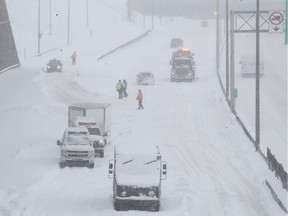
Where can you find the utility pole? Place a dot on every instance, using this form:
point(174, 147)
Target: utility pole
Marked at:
point(257, 120)
point(39, 34)
point(152, 14)
point(217, 37)
point(227, 50)
point(50, 18)
point(68, 27)
point(232, 72)
point(87, 12)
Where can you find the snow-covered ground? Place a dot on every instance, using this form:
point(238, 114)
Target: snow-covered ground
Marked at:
point(212, 166)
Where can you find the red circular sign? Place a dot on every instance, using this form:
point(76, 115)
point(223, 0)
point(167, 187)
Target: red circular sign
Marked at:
point(276, 18)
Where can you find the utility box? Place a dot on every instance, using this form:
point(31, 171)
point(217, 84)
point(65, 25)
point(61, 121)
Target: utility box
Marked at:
point(101, 112)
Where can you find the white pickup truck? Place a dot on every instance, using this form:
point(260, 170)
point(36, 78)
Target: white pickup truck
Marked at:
point(76, 148)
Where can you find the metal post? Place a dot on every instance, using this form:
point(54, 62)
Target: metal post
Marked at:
point(87, 13)
point(68, 27)
point(50, 17)
point(128, 10)
point(257, 120)
point(152, 14)
point(39, 34)
point(232, 73)
point(217, 37)
point(227, 51)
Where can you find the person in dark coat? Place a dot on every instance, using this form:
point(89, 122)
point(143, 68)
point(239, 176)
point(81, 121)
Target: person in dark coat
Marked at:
point(140, 99)
point(125, 88)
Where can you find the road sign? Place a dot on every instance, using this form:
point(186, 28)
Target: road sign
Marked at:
point(276, 21)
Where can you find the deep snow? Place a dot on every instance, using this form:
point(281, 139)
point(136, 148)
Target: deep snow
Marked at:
point(212, 167)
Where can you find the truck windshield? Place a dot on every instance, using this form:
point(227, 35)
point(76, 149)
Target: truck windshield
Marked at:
point(94, 131)
point(77, 140)
point(138, 164)
point(182, 62)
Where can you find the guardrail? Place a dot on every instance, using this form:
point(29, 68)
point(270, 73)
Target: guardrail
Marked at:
point(125, 44)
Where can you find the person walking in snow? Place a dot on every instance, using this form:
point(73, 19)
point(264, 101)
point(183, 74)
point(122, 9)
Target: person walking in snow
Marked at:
point(125, 88)
point(73, 57)
point(140, 98)
point(119, 88)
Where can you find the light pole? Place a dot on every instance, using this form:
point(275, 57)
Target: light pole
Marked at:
point(39, 34)
point(50, 18)
point(257, 110)
point(87, 12)
point(227, 50)
point(152, 14)
point(217, 37)
point(68, 27)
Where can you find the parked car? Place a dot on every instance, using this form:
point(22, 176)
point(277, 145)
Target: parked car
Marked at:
point(176, 42)
point(76, 148)
point(145, 78)
point(54, 65)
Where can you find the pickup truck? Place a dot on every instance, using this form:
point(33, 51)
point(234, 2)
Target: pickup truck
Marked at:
point(76, 148)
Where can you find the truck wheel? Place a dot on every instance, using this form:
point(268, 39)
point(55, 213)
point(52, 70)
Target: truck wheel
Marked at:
point(62, 165)
point(102, 154)
point(91, 165)
point(156, 208)
point(117, 206)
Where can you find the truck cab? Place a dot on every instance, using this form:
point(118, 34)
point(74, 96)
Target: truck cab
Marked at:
point(137, 174)
point(97, 137)
point(76, 148)
point(183, 65)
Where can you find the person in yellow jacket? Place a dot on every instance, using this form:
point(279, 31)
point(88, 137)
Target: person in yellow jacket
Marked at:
point(140, 98)
point(119, 88)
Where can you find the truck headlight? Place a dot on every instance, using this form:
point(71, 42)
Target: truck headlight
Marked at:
point(151, 194)
point(101, 142)
point(48, 67)
point(123, 193)
point(58, 67)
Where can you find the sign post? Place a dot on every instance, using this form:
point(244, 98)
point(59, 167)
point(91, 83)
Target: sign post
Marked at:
point(286, 23)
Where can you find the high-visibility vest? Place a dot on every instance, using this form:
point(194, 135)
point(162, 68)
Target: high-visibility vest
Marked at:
point(118, 86)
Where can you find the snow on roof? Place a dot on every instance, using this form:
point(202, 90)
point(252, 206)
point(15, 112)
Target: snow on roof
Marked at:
point(90, 105)
point(145, 149)
point(85, 119)
point(77, 129)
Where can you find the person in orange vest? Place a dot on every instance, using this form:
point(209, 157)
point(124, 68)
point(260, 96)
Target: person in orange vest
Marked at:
point(140, 98)
point(73, 57)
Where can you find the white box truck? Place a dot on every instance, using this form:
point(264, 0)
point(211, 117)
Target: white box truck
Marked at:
point(137, 172)
point(100, 112)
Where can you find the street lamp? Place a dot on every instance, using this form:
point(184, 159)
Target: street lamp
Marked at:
point(68, 27)
point(50, 18)
point(257, 110)
point(39, 34)
point(227, 50)
point(87, 12)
